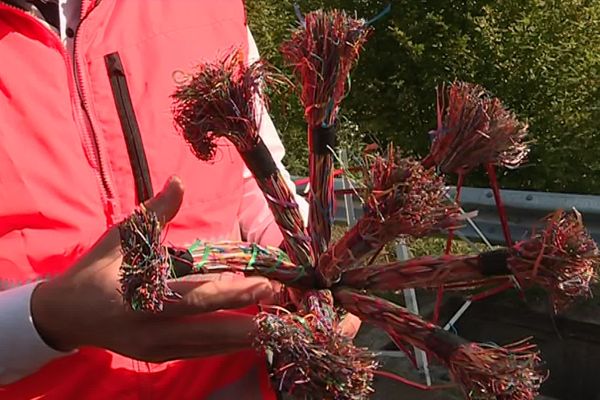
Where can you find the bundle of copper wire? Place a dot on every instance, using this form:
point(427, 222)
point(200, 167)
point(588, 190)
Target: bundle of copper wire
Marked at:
point(311, 356)
point(562, 259)
point(484, 371)
point(474, 129)
point(250, 259)
point(314, 361)
point(220, 100)
point(144, 269)
point(401, 198)
point(232, 92)
point(322, 50)
point(452, 272)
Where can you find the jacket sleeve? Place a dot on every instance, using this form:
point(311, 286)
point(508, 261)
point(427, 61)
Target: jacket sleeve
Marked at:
point(22, 350)
point(255, 218)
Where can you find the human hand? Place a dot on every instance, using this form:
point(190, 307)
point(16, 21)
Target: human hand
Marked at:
point(348, 326)
point(84, 308)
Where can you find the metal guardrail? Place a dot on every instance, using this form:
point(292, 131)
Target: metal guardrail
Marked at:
point(524, 209)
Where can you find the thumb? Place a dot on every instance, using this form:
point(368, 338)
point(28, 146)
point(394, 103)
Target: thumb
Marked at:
point(167, 203)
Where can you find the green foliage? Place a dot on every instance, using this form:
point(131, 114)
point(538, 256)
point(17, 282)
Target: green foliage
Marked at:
point(435, 246)
point(541, 57)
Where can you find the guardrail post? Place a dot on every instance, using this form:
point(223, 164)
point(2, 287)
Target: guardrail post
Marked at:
point(346, 184)
point(410, 297)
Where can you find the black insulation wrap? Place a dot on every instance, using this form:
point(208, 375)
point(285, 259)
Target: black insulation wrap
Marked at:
point(443, 344)
point(182, 261)
point(322, 139)
point(259, 161)
point(494, 263)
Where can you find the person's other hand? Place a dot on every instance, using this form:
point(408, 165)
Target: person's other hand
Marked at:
point(84, 308)
point(349, 325)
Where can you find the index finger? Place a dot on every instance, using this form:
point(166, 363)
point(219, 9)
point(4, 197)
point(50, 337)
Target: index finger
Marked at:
point(212, 292)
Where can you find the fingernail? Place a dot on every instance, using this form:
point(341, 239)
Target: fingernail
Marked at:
point(172, 179)
point(167, 184)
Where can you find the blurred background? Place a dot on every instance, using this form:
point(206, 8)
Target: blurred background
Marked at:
point(541, 57)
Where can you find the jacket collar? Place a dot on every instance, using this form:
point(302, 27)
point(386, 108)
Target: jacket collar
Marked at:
point(28, 7)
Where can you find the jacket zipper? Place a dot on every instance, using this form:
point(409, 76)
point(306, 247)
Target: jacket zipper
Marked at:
point(77, 91)
point(181, 258)
point(93, 143)
point(129, 124)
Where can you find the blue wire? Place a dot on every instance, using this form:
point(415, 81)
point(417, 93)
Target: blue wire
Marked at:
point(386, 10)
point(299, 15)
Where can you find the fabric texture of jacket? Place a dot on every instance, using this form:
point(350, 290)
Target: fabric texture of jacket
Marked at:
point(65, 173)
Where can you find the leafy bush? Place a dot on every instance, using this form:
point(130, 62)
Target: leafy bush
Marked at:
point(542, 57)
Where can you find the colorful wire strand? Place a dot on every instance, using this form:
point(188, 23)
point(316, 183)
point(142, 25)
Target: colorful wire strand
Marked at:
point(322, 51)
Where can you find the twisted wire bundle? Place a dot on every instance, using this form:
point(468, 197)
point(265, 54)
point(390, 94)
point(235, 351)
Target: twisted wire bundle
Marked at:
point(145, 267)
point(230, 89)
point(313, 362)
point(220, 100)
point(483, 371)
point(565, 263)
point(474, 129)
point(322, 52)
point(217, 102)
point(252, 259)
point(562, 259)
point(401, 197)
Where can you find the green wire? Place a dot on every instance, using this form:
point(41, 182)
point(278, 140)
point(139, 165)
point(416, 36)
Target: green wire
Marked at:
point(280, 258)
point(195, 245)
point(300, 274)
point(204, 260)
point(255, 251)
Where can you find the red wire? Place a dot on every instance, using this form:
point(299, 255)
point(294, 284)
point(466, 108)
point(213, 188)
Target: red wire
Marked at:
point(459, 185)
point(491, 171)
point(492, 292)
point(410, 383)
point(440, 292)
point(304, 181)
point(438, 305)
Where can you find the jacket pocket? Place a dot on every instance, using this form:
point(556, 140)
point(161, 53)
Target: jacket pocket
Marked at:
point(131, 129)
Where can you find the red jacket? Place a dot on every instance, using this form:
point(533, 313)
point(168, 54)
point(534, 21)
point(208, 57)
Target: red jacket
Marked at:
point(65, 173)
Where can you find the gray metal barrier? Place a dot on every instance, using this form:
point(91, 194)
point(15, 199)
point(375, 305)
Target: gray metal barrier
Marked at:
point(524, 209)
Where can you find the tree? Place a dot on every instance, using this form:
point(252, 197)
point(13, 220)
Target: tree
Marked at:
point(541, 57)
